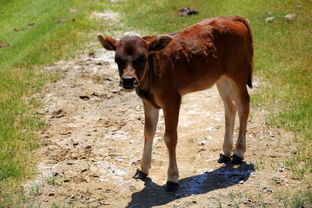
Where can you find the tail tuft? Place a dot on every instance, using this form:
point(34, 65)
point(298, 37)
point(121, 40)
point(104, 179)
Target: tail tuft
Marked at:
point(249, 82)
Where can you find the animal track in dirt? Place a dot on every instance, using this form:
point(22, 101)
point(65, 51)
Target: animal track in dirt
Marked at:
point(93, 150)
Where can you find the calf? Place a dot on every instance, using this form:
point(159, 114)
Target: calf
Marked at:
point(164, 68)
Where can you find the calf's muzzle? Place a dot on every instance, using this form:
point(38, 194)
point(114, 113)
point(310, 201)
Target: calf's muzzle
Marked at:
point(128, 82)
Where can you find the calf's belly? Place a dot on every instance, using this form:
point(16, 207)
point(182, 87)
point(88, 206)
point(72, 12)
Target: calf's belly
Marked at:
point(199, 83)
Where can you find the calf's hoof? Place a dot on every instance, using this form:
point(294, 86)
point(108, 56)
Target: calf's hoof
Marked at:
point(236, 160)
point(224, 159)
point(139, 175)
point(171, 186)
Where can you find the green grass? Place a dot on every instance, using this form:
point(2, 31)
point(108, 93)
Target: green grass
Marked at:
point(283, 58)
point(302, 200)
point(36, 38)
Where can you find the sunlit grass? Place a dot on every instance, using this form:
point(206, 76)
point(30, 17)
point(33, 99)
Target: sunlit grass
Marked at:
point(36, 38)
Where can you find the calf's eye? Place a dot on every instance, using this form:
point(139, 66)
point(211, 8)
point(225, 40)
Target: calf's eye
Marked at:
point(140, 60)
point(119, 61)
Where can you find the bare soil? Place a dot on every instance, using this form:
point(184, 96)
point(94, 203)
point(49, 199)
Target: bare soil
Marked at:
point(94, 141)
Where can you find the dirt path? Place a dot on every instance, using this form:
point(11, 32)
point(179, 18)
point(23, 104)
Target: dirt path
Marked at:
point(94, 142)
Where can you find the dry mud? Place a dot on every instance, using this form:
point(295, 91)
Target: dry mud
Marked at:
point(94, 141)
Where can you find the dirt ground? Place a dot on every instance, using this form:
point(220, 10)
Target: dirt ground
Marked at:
point(94, 141)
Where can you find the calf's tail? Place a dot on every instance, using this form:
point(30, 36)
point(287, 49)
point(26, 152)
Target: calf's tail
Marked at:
point(250, 49)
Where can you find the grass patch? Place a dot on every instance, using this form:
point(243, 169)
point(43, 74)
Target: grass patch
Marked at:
point(283, 57)
point(38, 32)
point(302, 200)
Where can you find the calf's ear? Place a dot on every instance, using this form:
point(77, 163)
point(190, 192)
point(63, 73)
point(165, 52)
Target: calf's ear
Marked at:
point(157, 43)
point(108, 42)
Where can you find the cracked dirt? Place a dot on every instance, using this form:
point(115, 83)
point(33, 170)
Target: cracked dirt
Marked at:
point(94, 141)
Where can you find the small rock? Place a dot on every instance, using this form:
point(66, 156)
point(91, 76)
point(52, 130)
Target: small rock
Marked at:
point(84, 170)
point(4, 44)
point(296, 177)
point(201, 150)
point(282, 169)
point(65, 133)
point(66, 180)
point(138, 108)
point(61, 21)
point(135, 162)
point(187, 11)
point(94, 175)
point(58, 113)
point(72, 10)
point(95, 94)
point(269, 19)
point(267, 190)
point(277, 180)
point(84, 97)
point(51, 194)
point(290, 17)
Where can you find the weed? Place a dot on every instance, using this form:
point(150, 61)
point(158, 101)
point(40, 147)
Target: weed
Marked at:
point(34, 190)
point(52, 181)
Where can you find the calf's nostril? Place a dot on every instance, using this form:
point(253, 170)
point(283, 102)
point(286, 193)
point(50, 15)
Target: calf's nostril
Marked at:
point(128, 81)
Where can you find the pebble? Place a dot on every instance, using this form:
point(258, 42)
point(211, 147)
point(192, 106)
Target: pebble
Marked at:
point(269, 19)
point(290, 17)
point(4, 44)
point(282, 169)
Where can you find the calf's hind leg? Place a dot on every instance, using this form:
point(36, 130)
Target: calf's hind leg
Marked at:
point(226, 93)
point(242, 100)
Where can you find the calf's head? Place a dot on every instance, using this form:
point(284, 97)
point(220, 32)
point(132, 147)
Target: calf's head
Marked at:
point(132, 55)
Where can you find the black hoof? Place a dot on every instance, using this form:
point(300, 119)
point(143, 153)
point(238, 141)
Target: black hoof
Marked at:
point(171, 186)
point(139, 175)
point(224, 159)
point(236, 160)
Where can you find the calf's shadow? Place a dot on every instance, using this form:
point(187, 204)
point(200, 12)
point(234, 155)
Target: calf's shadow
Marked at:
point(154, 195)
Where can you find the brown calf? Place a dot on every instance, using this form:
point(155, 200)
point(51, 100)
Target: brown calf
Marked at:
point(163, 68)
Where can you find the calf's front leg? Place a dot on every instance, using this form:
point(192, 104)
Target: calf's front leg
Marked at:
point(171, 115)
point(151, 119)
